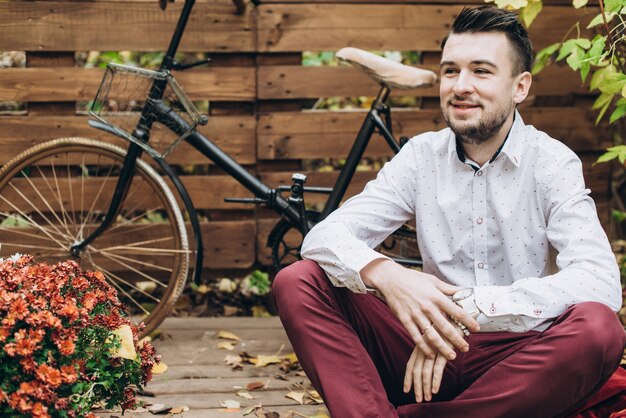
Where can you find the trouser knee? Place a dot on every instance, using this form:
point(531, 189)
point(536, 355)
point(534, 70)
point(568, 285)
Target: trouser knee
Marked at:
point(601, 334)
point(293, 282)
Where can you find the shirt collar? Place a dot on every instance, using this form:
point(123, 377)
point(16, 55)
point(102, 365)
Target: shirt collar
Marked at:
point(511, 147)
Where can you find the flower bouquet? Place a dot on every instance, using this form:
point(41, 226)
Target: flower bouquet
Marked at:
point(65, 344)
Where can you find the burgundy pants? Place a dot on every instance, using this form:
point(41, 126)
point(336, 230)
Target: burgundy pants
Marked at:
point(354, 351)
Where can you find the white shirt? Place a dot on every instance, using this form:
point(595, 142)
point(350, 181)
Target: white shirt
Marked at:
point(490, 229)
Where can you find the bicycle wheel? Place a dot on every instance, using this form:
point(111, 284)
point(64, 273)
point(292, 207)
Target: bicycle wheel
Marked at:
point(55, 194)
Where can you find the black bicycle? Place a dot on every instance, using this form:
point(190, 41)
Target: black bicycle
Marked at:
point(115, 212)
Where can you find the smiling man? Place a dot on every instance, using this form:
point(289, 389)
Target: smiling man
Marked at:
point(488, 329)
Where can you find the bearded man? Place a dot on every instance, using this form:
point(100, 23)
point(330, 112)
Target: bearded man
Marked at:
point(487, 329)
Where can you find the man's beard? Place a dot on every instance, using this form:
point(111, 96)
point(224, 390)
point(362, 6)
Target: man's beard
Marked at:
point(488, 126)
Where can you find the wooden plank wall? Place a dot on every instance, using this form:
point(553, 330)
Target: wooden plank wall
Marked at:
point(258, 87)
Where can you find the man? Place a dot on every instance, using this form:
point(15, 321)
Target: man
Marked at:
point(490, 196)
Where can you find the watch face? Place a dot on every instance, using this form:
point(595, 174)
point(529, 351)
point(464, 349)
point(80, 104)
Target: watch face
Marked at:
point(463, 294)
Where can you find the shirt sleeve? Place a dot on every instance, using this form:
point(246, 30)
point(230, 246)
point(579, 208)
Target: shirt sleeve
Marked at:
point(343, 243)
point(587, 269)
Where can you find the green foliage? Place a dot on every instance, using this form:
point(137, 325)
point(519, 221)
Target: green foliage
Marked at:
point(603, 56)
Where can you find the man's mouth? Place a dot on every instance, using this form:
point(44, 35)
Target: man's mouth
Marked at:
point(463, 105)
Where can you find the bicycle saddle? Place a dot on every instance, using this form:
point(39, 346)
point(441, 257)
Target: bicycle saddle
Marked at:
point(386, 72)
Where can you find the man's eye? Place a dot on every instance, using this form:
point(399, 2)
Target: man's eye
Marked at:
point(449, 71)
point(481, 71)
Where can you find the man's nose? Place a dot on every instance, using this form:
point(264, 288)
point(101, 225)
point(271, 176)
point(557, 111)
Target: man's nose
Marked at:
point(463, 84)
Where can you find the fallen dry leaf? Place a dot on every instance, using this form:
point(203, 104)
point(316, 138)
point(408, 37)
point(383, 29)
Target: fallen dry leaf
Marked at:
point(245, 394)
point(315, 396)
point(255, 385)
point(296, 396)
point(234, 361)
point(226, 345)
point(227, 335)
point(252, 409)
point(179, 409)
point(159, 368)
point(291, 357)
point(127, 347)
point(263, 360)
point(230, 404)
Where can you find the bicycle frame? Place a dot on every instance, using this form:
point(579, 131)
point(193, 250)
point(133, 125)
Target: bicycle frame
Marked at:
point(156, 111)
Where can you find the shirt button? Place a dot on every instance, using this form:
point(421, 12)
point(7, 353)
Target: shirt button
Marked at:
point(481, 265)
point(537, 312)
point(479, 220)
point(479, 173)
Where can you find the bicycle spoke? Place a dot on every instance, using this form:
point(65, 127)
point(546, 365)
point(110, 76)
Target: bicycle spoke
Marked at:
point(136, 245)
point(141, 263)
point(109, 275)
point(131, 268)
point(56, 182)
point(32, 205)
point(33, 223)
point(127, 283)
point(87, 219)
point(48, 205)
point(59, 200)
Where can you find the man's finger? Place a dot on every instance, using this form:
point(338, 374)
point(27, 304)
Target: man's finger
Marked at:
point(418, 328)
point(448, 332)
point(408, 374)
point(427, 378)
point(417, 376)
point(440, 365)
point(455, 311)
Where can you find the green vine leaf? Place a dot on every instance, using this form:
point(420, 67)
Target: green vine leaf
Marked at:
point(530, 12)
point(602, 102)
point(599, 76)
point(614, 6)
point(598, 20)
point(544, 56)
point(576, 58)
point(510, 4)
point(612, 83)
point(579, 3)
point(618, 113)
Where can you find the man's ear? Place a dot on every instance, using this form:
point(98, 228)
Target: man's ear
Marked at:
point(522, 87)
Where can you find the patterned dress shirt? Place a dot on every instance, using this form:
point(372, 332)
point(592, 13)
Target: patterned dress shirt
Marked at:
point(521, 230)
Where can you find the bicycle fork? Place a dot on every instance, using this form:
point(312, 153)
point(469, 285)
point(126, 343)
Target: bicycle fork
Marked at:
point(121, 190)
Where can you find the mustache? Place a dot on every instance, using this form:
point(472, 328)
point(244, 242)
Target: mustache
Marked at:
point(456, 100)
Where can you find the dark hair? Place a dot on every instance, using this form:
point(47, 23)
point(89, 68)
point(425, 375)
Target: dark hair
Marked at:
point(489, 18)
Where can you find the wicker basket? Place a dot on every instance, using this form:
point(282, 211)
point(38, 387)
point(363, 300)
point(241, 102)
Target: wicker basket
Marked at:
point(120, 101)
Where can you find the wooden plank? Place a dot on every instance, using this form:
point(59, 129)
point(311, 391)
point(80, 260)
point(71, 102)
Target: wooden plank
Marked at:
point(281, 410)
point(134, 26)
point(207, 192)
point(323, 134)
point(328, 27)
point(472, 2)
point(233, 134)
point(228, 244)
point(71, 84)
point(297, 82)
point(198, 377)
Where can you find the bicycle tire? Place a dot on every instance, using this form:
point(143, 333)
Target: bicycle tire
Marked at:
point(55, 193)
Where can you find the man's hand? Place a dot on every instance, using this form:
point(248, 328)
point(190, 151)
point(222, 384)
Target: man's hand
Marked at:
point(424, 373)
point(420, 302)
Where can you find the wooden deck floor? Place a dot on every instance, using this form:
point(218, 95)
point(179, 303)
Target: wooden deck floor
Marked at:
point(199, 379)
